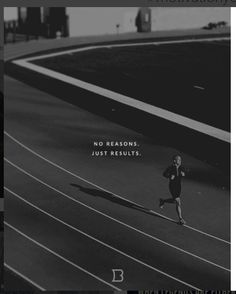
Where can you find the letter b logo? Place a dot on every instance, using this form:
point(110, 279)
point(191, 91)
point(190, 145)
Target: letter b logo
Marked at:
point(118, 275)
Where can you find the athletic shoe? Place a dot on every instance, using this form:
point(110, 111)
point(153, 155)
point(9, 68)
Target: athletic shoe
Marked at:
point(182, 222)
point(161, 203)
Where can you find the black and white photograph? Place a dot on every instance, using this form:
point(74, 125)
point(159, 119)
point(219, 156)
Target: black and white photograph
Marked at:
point(117, 148)
point(1, 150)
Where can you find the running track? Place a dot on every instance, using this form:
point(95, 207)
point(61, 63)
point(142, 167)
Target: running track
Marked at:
point(70, 219)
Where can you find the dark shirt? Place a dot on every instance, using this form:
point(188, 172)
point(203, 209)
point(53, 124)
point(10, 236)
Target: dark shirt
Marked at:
point(174, 171)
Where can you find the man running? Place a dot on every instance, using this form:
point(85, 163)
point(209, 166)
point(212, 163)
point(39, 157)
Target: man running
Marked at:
point(174, 173)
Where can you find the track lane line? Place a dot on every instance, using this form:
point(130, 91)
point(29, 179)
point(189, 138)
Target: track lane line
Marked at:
point(143, 106)
point(132, 102)
point(59, 256)
point(16, 272)
point(105, 190)
point(102, 243)
point(199, 87)
point(120, 222)
point(89, 47)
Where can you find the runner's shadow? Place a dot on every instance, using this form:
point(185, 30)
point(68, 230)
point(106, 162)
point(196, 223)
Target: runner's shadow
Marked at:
point(113, 198)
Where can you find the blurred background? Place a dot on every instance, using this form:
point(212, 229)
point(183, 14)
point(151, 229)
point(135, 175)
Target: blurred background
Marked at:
point(83, 21)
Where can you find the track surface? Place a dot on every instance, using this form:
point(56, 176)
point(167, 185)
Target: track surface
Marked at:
point(71, 218)
point(145, 72)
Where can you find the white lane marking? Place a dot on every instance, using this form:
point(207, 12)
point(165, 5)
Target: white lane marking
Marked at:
point(24, 277)
point(60, 257)
point(86, 48)
point(199, 87)
point(105, 190)
point(154, 110)
point(114, 219)
point(101, 242)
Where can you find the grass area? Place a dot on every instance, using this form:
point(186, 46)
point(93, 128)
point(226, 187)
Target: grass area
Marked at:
point(192, 79)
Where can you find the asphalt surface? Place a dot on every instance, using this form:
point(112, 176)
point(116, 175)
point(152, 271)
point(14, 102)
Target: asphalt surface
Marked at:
point(146, 73)
point(71, 218)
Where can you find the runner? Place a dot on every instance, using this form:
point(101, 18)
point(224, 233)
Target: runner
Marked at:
point(174, 173)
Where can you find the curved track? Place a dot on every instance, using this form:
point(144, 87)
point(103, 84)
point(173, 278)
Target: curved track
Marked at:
point(71, 219)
